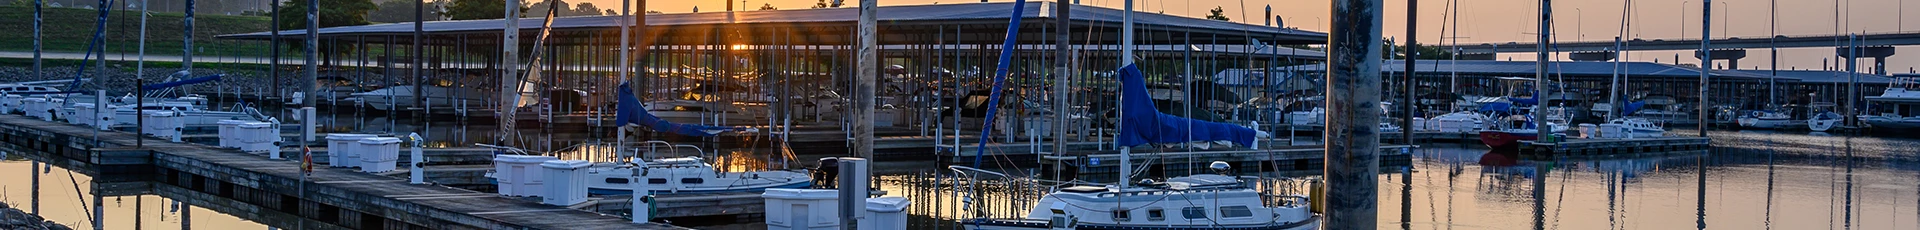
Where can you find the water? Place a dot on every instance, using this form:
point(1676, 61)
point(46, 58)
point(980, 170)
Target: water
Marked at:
point(66, 197)
point(1749, 180)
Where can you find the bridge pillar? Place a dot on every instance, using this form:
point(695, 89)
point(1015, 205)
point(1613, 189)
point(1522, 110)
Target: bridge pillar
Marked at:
point(1593, 56)
point(1732, 56)
point(1878, 53)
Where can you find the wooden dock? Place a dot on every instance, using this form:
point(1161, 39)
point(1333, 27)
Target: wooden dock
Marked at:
point(341, 197)
point(1609, 147)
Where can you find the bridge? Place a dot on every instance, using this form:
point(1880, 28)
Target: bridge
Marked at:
point(1732, 49)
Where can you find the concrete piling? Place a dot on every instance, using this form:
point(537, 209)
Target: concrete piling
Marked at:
point(1353, 115)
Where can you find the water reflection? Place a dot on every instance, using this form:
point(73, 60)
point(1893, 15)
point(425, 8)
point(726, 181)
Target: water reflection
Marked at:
point(74, 199)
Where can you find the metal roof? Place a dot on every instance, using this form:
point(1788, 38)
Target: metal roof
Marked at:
point(898, 18)
point(1527, 68)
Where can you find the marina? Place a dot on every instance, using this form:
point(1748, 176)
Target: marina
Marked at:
point(1018, 114)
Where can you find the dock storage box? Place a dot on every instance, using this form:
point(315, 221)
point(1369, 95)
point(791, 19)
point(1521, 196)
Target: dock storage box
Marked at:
point(162, 124)
point(566, 182)
point(378, 154)
point(340, 149)
point(518, 175)
point(35, 107)
point(802, 209)
point(886, 213)
point(229, 132)
point(11, 103)
point(79, 113)
point(255, 137)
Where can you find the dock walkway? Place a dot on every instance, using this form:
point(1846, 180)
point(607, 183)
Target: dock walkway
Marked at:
point(342, 197)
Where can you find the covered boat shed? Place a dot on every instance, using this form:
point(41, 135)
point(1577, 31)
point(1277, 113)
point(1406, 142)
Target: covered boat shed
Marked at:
point(796, 64)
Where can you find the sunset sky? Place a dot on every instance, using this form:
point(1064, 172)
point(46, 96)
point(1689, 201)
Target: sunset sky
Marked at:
point(1500, 21)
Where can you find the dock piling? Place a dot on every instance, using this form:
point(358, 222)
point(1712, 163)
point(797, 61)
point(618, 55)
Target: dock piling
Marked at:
point(1353, 115)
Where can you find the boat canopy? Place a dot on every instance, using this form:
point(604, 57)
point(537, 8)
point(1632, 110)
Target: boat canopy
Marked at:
point(1142, 124)
point(630, 112)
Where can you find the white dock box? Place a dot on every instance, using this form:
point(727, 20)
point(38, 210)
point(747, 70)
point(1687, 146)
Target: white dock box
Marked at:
point(378, 154)
point(79, 114)
point(161, 123)
point(11, 103)
point(255, 137)
point(886, 213)
point(230, 136)
point(802, 209)
point(566, 182)
point(341, 150)
point(518, 175)
point(35, 107)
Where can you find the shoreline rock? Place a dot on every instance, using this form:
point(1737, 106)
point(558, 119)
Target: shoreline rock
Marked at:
point(11, 218)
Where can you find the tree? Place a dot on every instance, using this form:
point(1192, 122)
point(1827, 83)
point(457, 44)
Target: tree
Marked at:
point(336, 13)
point(767, 6)
point(477, 9)
point(654, 12)
point(1218, 14)
point(821, 4)
point(610, 12)
point(400, 11)
point(587, 9)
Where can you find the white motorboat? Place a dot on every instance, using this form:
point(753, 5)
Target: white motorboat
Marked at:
point(1899, 110)
point(686, 175)
point(1311, 117)
point(1206, 201)
point(696, 112)
point(689, 174)
point(194, 115)
point(403, 97)
point(1662, 109)
point(1631, 127)
point(1459, 122)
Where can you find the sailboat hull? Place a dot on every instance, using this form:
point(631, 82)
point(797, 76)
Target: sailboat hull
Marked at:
point(1506, 139)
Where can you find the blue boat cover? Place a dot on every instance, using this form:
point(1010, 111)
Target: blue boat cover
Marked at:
point(1524, 101)
point(1496, 107)
point(1633, 107)
point(1142, 124)
point(630, 112)
point(189, 81)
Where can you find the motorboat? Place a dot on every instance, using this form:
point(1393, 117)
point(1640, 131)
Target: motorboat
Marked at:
point(1204, 201)
point(1899, 110)
point(1631, 127)
point(1317, 116)
point(686, 175)
point(1662, 109)
point(193, 115)
point(1515, 129)
point(403, 96)
point(697, 112)
point(1459, 122)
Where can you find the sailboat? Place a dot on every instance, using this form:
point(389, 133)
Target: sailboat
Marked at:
point(1204, 201)
point(1823, 118)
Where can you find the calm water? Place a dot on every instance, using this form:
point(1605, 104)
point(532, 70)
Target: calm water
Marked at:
point(1750, 180)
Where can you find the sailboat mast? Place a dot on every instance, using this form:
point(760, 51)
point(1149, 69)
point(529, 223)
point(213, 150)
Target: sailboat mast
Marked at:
point(1613, 88)
point(1126, 58)
point(1542, 128)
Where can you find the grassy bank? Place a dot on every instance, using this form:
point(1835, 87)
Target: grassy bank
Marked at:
point(70, 30)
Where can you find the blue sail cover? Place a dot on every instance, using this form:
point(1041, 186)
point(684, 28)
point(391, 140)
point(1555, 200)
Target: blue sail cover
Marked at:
point(1142, 124)
point(1496, 107)
point(629, 111)
point(1633, 107)
point(189, 81)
